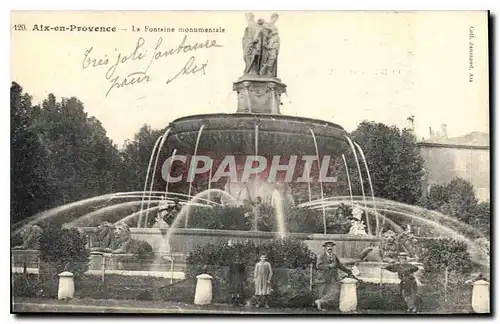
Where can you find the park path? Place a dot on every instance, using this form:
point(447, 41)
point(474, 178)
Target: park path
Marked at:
point(86, 305)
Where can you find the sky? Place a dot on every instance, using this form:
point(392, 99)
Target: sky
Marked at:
point(343, 67)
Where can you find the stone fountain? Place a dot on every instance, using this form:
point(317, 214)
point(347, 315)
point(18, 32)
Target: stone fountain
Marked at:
point(257, 128)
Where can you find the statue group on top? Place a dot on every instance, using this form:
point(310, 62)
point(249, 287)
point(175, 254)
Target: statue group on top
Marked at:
point(261, 46)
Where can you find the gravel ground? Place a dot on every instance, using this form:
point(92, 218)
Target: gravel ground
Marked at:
point(85, 305)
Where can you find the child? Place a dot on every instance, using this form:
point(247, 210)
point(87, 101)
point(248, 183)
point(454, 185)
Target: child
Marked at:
point(408, 283)
point(262, 276)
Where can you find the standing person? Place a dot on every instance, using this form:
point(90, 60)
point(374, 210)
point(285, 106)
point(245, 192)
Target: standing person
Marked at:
point(408, 283)
point(329, 264)
point(262, 275)
point(236, 278)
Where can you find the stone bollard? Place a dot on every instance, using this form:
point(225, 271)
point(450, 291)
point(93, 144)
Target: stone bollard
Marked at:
point(348, 295)
point(66, 285)
point(481, 296)
point(203, 293)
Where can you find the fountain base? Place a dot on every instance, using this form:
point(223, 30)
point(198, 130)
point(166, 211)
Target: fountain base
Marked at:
point(259, 94)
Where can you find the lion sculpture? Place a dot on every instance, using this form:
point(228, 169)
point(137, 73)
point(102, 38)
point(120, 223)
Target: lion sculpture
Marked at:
point(116, 239)
point(31, 238)
point(387, 251)
point(125, 244)
point(103, 238)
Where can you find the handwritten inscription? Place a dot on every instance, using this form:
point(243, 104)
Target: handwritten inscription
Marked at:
point(140, 53)
point(189, 68)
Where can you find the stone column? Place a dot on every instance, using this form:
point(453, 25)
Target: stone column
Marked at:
point(481, 296)
point(348, 295)
point(203, 293)
point(66, 285)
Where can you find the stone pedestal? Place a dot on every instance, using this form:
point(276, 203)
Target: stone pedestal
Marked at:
point(97, 260)
point(66, 285)
point(259, 94)
point(348, 295)
point(203, 293)
point(481, 296)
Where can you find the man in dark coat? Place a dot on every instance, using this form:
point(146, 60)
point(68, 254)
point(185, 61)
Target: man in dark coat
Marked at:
point(329, 264)
point(408, 285)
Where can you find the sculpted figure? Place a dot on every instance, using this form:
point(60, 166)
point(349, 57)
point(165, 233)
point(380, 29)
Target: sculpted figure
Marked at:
point(31, 238)
point(261, 46)
point(357, 225)
point(357, 228)
point(252, 45)
point(103, 239)
point(270, 49)
point(387, 251)
point(167, 213)
point(123, 242)
point(408, 243)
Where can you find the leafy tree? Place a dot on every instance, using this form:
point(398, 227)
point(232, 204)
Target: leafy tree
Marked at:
point(456, 198)
point(461, 201)
point(481, 219)
point(81, 160)
point(29, 189)
point(59, 154)
point(393, 159)
point(136, 154)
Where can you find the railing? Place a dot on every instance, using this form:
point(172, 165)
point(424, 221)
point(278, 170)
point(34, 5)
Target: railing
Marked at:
point(25, 261)
point(163, 265)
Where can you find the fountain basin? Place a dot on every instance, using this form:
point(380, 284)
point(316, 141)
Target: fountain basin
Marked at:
point(236, 133)
point(185, 240)
point(373, 272)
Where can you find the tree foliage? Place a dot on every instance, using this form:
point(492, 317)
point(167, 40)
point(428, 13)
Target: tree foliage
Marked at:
point(29, 187)
point(457, 198)
point(446, 253)
point(393, 159)
point(58, 154)
point(136, 154)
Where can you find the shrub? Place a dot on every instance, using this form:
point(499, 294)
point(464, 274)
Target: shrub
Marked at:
point(290, 259)
point(286, 253)
point(448, 264)
point(64, 250)
point(441, 253)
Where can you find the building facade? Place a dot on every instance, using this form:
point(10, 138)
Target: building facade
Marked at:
point(445, 161)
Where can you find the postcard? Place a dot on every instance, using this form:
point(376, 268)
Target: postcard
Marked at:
point(228, 162)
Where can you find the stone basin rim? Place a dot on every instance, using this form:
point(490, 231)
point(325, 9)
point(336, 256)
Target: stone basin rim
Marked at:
point(276, 118)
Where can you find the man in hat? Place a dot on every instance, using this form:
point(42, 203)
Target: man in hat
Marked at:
point(329, 264)
point(408, 284)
